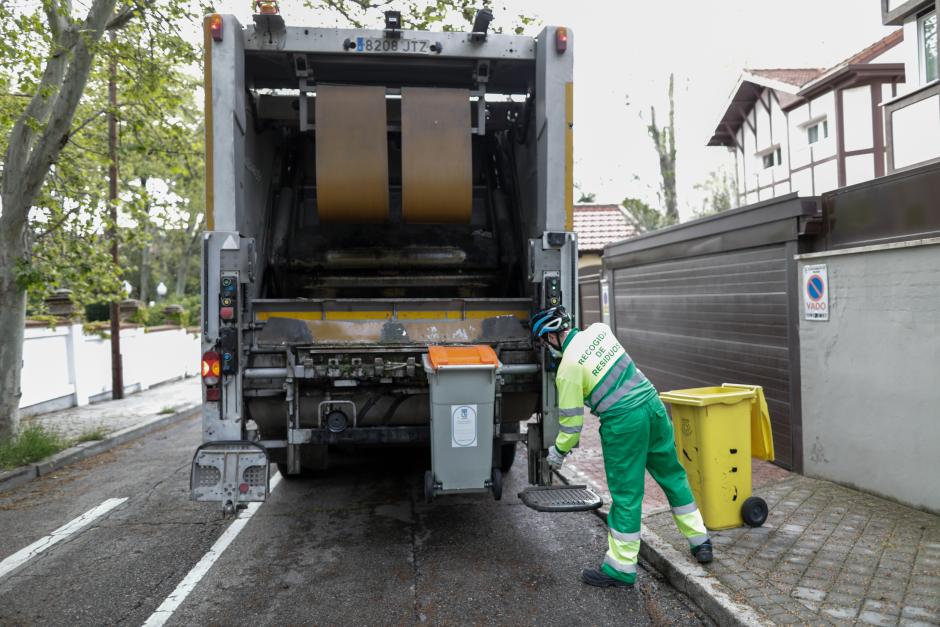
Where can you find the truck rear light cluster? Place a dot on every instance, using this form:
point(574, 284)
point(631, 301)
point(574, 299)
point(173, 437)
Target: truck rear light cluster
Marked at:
point(211, 368)
point(561, 39)
point(215, 26)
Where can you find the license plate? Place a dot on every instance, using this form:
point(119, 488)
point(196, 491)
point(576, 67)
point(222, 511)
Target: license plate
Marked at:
point(378, 44)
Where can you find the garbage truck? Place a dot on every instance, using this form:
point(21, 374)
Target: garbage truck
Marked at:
point(384, 211)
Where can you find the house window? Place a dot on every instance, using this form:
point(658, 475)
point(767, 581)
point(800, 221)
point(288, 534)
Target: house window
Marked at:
point(927, 33)
point(817, 131)
point(772, 158)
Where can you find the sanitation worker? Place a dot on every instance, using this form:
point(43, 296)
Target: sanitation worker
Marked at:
point(636, 435)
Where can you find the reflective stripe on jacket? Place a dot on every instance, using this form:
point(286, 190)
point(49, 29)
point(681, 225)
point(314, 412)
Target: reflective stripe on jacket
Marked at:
point(595, 370)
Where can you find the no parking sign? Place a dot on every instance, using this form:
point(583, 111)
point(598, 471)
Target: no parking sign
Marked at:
point(815, 292)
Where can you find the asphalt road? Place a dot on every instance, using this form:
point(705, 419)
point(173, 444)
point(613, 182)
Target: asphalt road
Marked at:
point(355, 545)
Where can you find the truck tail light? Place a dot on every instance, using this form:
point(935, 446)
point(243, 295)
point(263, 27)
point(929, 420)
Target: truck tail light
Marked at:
point(561, 39)
point(211, 368)
point(215, 26)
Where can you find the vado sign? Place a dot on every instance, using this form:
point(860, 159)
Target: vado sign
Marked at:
point(815, 292)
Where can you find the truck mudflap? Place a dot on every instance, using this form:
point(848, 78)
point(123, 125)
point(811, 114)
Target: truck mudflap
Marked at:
point(231, 473)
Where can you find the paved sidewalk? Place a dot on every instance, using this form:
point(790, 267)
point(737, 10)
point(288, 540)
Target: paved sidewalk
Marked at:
point(587, 466)
point(131, 411)
point(826, 555)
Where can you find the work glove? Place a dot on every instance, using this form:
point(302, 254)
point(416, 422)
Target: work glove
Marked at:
point(555, 458)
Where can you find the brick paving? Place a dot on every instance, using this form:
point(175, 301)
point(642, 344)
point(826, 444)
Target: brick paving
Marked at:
point(826, 555)
point(587, 465)
point(830, 555)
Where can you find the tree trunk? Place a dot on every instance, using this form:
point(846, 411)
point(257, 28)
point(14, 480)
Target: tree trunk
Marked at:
point(12, 318)
point(669, 168)
point(144, 272)
point(665, 141)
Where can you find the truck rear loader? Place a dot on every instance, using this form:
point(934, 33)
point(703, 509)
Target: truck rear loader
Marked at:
point(385, 209)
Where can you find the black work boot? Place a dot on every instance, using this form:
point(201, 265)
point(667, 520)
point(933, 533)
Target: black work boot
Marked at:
point(597, 577)
point(703, 552)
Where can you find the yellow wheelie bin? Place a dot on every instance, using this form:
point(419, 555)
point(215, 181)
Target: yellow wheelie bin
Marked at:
point(717, 430)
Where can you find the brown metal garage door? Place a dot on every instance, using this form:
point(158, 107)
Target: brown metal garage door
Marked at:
point(589, 295)
point(711, 320)
point(716, 301)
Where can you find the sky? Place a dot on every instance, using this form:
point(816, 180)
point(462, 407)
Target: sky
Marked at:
point(625, 50)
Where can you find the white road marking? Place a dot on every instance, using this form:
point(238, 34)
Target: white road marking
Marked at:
point(25, 554)
point(163, 613)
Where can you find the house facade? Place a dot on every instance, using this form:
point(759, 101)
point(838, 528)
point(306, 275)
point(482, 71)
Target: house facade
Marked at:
point(912, 116)
point(812, 130)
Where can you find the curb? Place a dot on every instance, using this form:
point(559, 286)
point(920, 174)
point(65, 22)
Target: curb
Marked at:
point(24, 474)
point(695, 582)
point(686, 576)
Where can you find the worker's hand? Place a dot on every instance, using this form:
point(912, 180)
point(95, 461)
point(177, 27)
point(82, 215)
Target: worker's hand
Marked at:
point(555, 458)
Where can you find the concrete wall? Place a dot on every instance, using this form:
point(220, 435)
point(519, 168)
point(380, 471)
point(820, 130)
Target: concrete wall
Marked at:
point(871, 373)
point(63, 367)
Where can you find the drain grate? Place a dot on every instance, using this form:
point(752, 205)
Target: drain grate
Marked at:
point(561, 498)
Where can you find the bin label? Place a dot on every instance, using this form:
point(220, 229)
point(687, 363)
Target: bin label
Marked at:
point(815, 292)
point(463, 426)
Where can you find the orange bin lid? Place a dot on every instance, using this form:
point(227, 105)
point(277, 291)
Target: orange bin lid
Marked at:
point(479, 355)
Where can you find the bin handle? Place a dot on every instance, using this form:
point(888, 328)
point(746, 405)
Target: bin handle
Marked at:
point(693, 397)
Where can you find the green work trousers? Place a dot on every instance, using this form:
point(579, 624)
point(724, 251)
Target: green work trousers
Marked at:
point(638, 440)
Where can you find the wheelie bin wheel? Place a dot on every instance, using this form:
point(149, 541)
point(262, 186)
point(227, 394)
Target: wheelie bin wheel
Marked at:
point(496, 483)
point(507, 455)
point(754, 511)
point(428, 486)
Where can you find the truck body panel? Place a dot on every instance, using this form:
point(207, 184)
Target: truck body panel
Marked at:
point(321, 315)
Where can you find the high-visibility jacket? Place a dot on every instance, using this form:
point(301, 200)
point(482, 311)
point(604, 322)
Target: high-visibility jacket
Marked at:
point(596, 371)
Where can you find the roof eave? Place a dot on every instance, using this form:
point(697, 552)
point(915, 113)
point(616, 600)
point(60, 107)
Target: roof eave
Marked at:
point(721, 136)
point(770, 82)
point(850, 75)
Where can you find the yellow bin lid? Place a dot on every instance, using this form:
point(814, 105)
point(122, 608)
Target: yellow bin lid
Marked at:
point(762, 439)
point(702, 397)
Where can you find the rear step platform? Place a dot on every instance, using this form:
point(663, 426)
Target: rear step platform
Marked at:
point(560, 498)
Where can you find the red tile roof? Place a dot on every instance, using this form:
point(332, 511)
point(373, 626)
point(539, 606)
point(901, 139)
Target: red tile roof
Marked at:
point(872, 51)
point(805, 81)
point(599, 225)
point(861, 58)
point(791, 76)
point(801, 76)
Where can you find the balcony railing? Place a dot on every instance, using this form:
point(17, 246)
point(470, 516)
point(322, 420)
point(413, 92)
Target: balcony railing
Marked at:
point(896, 11)
point(912, 128)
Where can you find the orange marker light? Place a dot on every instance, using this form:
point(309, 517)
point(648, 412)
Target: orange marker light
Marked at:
point(561, 39)
point(215, 26)
point(266, 8)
